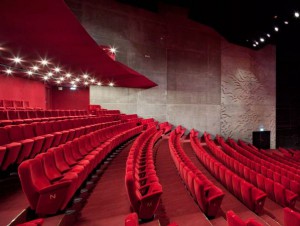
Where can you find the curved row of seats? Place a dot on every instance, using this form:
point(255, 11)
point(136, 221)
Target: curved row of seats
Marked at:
point(251, 196)
point(8, 117)
point(289, 179)
point(106, 112)
point(274, 190)
point(258, 174)
point(19, 142)
point(50, 180)
point(166, 127)
point(208, 196)
point(269, 162)
point(141, 181)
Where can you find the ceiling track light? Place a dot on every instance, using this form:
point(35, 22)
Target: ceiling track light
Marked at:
point(296, 14)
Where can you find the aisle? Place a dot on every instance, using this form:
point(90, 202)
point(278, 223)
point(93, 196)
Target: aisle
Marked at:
point(177, 205)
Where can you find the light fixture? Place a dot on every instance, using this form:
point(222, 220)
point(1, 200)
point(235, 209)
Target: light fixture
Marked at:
point(254, 45)
point(99, 84)
point(111, 84)
point(73, 87)
point(58, 81)
point(276, 29)
point(86, 83)
point(29, 72)
point(17, 60)
point(262, 39)
point(113, 50)
point(268, 35)
point(286, 22)
point(77, 79)
point(92, 80)
point(35, 68)
point(296, 14)
point(85, 76)
point(44, 62)
point(61, 78)
point(68, 75)
point(73, 82)
point(49, 74)
point(57, 69)
point(45, 77)
point(8, 71)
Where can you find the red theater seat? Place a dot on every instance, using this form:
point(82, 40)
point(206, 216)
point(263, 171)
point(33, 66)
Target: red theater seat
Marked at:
point(37, 222)
point(290, 217)
point(132, 220)
point(235, 220)
point(12, 149)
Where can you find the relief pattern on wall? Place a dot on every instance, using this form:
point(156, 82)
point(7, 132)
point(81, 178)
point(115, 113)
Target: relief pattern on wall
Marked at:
point(247, 97)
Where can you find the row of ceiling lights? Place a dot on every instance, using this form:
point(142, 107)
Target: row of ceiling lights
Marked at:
point(46, 70)
point(262, 39)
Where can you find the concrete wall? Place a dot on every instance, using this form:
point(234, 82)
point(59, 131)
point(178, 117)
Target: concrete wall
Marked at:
point(193, 66)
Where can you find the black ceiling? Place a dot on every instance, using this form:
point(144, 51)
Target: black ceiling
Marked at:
point(240, 21)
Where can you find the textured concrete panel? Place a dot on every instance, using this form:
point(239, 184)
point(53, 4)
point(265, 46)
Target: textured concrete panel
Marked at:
point(248, 92)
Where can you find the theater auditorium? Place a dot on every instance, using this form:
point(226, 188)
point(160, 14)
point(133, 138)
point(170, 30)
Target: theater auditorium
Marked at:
point(149, 112)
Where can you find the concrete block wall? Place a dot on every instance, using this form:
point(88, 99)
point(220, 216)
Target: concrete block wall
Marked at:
point(195, 68)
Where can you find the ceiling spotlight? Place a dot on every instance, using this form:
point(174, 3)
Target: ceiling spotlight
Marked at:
point(269, 35)
point(44, 62)
point(86, 83)
point(68, 75)
point(61, 78)
point(35, 68)
point(296, 14)
point(58, 81)
point(85, 76)
point(8, 71)
point(286, 22)
point(99, 84)
point(77, 79)
point(49, 74)
point(113, 50)
point(73, 82)
point(254, 45)
point(57, 69)
point(276, 28)
point(17, 60)
point(111, 84)
point(92, 80)
point(29, 72)
point(262, 39)
point(45, 77)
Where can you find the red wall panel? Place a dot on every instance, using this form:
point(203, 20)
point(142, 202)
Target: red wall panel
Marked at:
point(70, 99)
point(15, 88)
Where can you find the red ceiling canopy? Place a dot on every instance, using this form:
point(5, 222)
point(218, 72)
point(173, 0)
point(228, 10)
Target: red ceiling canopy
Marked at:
point(36, 29)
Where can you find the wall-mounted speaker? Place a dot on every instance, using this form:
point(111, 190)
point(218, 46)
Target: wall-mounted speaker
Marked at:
point(261, 139)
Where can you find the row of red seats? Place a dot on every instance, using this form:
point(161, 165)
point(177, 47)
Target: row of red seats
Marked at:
point(274, 190)
point(14, 103)
point(166, 127)
point(251, 196)
point(142, 184)
point(50, 180)
point(263, 173)
point(287, 178)
point(19, 142)
point(128, 117)
point(106, 112)
point(294, 165)
point(291, 157)
point(8, 117)
point(235, 220)
point(208, 196)
point(133, 220)
point(271, 163)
